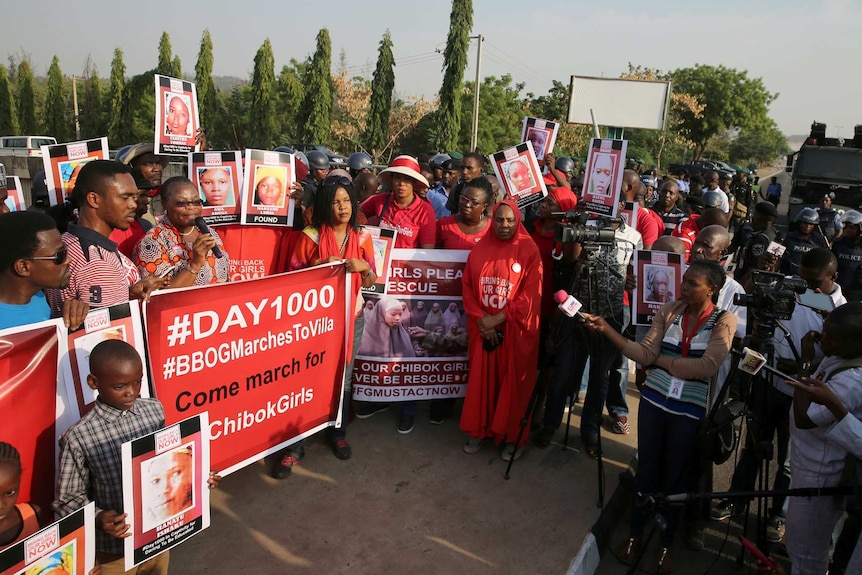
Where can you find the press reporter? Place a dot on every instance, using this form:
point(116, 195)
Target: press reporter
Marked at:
point(683, 350)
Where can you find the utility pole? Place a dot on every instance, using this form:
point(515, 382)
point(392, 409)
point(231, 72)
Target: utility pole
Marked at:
point(75, 104)
point(474, 134)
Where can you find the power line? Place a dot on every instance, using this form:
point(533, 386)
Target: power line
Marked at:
point(516, 63)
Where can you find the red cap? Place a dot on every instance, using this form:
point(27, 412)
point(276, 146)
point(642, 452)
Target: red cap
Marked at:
point(560, 296)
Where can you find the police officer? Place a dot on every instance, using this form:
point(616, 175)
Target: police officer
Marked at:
point(752, 239)
point(357, 163)
point(802, 240)
point(830, 221)
point(848, 251)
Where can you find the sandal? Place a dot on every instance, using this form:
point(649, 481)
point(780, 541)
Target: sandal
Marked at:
point(630, 551)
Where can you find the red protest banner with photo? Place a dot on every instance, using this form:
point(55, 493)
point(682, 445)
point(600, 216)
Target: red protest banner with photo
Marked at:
point(29, 357)
point(165, 489)
point(67, 546)
point(264, 357)
point(415, 341)
point(519, 174)
point(267, 179)
point(604, 176)
point(384, 243)
point(63, 162)
point(177, 118)
point(659, 277)
point(542, 134)
point(218, 177)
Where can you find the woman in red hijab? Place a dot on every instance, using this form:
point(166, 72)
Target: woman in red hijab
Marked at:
point(502, 290)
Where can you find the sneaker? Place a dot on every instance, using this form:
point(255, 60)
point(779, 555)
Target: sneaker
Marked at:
point(285, 466)
point(775, 530)
point(341, 448)
point(544, 438)
point(436, 419)
point(621, 425)
point(366, 410)
point(405, 426)
point(511, 451)
point(723, 510)
point(473, 445)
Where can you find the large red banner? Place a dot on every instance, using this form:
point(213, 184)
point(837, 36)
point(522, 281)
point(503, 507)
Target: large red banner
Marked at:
point(28, 402)
point(264, 357)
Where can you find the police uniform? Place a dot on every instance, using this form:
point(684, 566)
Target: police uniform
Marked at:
point(798, 247)
point(830, 222)
point(849, 255)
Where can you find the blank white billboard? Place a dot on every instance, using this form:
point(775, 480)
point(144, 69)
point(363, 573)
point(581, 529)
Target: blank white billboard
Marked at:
point(619, 103)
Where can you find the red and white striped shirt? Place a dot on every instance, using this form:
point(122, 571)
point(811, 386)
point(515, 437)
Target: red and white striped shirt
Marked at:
point(99, 273)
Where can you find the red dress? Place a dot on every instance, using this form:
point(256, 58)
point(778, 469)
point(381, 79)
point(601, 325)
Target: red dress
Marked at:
point(502, 276)
point(450, 236)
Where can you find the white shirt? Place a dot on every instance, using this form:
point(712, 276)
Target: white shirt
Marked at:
point(628, 240)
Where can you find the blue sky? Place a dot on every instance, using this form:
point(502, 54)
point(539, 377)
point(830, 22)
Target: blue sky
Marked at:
point(807, 52)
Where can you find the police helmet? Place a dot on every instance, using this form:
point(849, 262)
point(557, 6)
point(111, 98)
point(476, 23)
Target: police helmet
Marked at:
point(649, 181)
point(565, 164)
point(285, 149)
point(317, 160)
point(437, 160)
point(808, 216)
point(851, 217)
point(358, 161)
point(711, 199)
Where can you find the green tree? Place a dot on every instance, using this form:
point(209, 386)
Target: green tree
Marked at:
point(290, 94)
point(168, 65)
point(316, 110)
point(454, 62)
point(232, 128)
point(92, 108)
point(7, 114)
point(731, 100)
point(501, 110)
point(56, 113)
point(26, 98)
point(261, 118)
point(764, 145)
point(382, 85)
point(117, 135)
point(207, 94)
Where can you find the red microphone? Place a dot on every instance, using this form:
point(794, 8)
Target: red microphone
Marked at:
point(568, 304)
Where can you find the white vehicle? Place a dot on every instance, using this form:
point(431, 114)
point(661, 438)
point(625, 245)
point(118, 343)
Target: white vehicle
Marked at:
point(26, 146)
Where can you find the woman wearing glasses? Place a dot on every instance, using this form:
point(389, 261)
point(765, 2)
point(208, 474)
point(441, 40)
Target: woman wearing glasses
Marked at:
point(469, 225)
point(175, 248)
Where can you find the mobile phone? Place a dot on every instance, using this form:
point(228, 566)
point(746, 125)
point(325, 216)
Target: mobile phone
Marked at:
point(757, 553)
point(816, 300)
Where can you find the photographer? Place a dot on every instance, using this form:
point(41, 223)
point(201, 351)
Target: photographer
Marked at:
point(599, 285)
point(818, 269)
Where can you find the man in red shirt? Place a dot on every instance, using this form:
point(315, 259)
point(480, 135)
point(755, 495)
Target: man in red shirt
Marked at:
point(712, 215)
point(649, 224)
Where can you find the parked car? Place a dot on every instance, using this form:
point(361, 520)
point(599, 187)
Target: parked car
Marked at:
point(336, 160)
point(702, 167)
point(27, 145)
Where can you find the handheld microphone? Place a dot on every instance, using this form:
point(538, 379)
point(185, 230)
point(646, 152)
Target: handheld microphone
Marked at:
point(568, 304)
point(202, 226)
point(752, 362)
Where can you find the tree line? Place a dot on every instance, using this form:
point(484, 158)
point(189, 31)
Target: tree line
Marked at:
point(715, 111)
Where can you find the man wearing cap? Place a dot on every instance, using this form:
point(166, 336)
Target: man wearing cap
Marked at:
point(751, 240)
point(848, 251)
point(143, 157)
point(666, 207)
point(126, 240)
point(830, 221)
point(439, 194)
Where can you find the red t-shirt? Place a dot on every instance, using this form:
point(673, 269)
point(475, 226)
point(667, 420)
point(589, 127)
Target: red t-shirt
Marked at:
point(415, 224)
point(650, 225)
point(687, 231)
point(451, 237)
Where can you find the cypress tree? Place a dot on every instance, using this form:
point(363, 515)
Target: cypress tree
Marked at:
point(207, 95)
point(92, 111)
point(291, 93)
point(26, 98)
point(316, 111)
point(55, 112)
point(454, 62)
point(7, 115)
point(261, 119)
point(382, 85)
point(168, 65)
point(116, 133)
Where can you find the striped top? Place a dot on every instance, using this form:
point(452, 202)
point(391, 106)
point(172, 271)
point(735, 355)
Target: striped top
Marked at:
point(99, 273)
point(661, 350)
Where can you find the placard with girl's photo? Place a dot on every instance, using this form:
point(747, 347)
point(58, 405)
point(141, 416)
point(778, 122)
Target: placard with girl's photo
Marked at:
point(659, 277)
point(63, 162)
point(65, 547)
point(267, 180)
point(604, 176)
point(541, 134)
point(177, 120)
point(519, 174)
point(218, 177)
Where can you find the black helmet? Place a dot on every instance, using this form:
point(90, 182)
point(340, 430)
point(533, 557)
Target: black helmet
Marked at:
point(285, 149)
point(358, 161)
point(317, 160)
point(565, 164)
point(808, 216)
point(711, 199)
point(437, 160)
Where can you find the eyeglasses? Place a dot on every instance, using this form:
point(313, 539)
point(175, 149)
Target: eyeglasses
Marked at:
point(59, 258)
point(336, 180)
point(471, 203)
point(185, 203)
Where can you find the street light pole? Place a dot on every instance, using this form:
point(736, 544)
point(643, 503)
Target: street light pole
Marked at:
point(75, 104)
point(474, 134)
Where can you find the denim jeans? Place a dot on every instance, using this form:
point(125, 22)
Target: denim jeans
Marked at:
point(664, 447)
point(616, 397)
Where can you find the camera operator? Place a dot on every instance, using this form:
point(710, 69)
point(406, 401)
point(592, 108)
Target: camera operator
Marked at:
point(818, 269)
point(751, 240)
point(599, 285)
